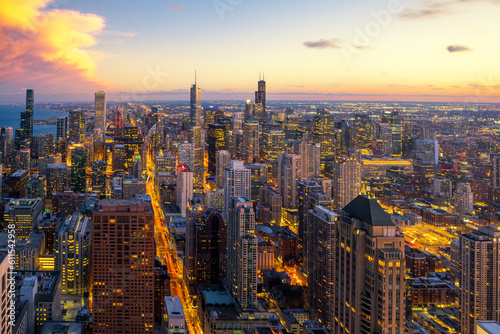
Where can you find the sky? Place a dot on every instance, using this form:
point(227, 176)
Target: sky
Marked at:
point(377, 50)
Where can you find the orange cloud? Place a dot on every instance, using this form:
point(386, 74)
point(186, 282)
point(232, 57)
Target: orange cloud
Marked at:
point(41, 44)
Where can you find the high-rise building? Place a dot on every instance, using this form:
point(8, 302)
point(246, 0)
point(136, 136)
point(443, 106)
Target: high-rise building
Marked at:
point(495, 170)
point(260, 111)
point(196, 111)
point(272, 199)
point(78, 171)
point(25, 214)
point(62, 127)
point(324, 134)
point(384, 139)
point(165, 164)
point(25, 159)
point(479, 277)
point(310, 195)
point(347, 178)
point(100, 114)
point(310, 158)
point(211, 248)
point(321, 262)
point(211, 113)
point(72, 254)
point(196, 137)
point(241, 276)
point(442, 191)
point(43, 145)
point(99, 177)
point(123, 266)
point(222, 161)
point(393, 118)
point(194, 211)
point(289, 171)
point(36, 186)
point(17, 184)
point(463, 200)
point(362, 131)
point(369, 286)
point(237, 183)
point(119, 158)
point(248, 111)
point(259, 176)
point(251, 141)
point(25, 132)
point(76, 126)
point(185, 154)
point(57, 178)
point(216, 142)
point(184, 189)
point(273, 144)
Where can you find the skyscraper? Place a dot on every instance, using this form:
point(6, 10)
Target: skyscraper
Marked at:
point(248, 111)
point(242, 252)
point(251, 140)
point(222, 161)
point(73, 254)
point(57, 178)
point(99, 177)
point(237, 183)
point(76, 126)
point(321, 262)
point(25, 132)
point(273, 144)
point(194, 211)
point(384, 140)
point(62, 127)
point(310, 158)
point(479, 277)
point(78, 172)
point(362, 131)
point(346, 181)
point(324, 134)
point(288, 177)
point(196, 136)
point(123, 266)
point(196, 111)
point(216, 142)
point(100, 113)
point(185, 154)
point(211, 248)
point(463, 200)
point(369, 272)
point(211, 113)
point(260, 111)
point(393, 118)
point(184, 189)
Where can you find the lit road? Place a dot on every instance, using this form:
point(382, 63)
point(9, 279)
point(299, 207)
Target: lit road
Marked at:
point(428, 238)
point(167, 253)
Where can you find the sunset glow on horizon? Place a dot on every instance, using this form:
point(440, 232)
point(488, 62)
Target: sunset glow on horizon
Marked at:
point(427, 50)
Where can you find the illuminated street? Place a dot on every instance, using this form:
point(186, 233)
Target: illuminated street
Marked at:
point(167, 253)
point(428, 238)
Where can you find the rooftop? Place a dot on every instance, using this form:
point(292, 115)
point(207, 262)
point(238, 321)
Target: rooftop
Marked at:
point(62, 327)
point(489, 326)
point(369, 211)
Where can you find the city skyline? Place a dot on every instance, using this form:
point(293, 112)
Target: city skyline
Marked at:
point(361, 51)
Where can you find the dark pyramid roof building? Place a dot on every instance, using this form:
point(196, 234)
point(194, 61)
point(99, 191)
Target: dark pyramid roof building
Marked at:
point(369, 211)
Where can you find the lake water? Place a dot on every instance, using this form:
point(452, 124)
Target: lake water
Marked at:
point(10, 115)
